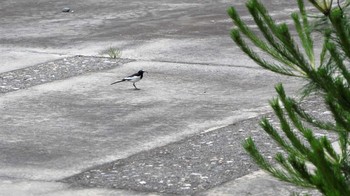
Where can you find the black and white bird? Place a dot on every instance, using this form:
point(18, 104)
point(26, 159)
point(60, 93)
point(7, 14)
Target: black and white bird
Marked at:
point(133, 78)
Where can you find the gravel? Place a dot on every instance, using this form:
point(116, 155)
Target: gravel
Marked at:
point(55, 70)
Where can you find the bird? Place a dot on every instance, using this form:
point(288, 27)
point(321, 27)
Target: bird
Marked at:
point(132, 78)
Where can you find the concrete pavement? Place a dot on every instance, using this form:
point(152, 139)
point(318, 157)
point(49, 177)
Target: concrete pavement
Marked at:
point(58, 129)
point(197, 82)
point(65, 126)
point(36, 31)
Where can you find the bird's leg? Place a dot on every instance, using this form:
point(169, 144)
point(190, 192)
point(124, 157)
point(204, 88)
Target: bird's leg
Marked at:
point(135, 86)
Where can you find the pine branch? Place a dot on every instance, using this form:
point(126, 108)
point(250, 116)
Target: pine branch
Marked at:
point(327, 35)
point(241, 27)
point(235, 35)
point(338, 60)
point(331, 175)
point(328, 126)
point(273, 133)
point(339, 23)
point(304, 32)
point(250, 147)
point(282, 33)
point(297, 170)
point(284, 56)
point(296, 142)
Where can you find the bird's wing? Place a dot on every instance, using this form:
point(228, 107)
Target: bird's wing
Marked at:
point(132, 78)
point(133, 75)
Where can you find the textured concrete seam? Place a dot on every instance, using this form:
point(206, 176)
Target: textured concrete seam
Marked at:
point(200, 63)
point(256, 112)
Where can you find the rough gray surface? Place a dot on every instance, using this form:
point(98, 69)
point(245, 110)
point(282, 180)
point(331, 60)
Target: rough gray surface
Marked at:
point(260, 184)
point(194, 164)
point(55, 70)
point(35, 31)
point(198, 80)
point(197, 163)
point(185, 167)
point(122, 20)
point(65, 126)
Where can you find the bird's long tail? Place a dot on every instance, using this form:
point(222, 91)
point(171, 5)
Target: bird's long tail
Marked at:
point(117, 82)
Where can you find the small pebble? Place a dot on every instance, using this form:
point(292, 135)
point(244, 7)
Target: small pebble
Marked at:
point(66, 9)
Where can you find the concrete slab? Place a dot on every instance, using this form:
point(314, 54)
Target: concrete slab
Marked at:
point(258, 184)
point(13, 58)
point(20, 187)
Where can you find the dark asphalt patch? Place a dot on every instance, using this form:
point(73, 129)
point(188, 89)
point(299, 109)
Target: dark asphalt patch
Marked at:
point(55, 70)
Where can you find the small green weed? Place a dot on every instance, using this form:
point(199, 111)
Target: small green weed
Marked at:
point(112, 52)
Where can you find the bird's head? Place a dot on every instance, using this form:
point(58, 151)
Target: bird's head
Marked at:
point(142, 71)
